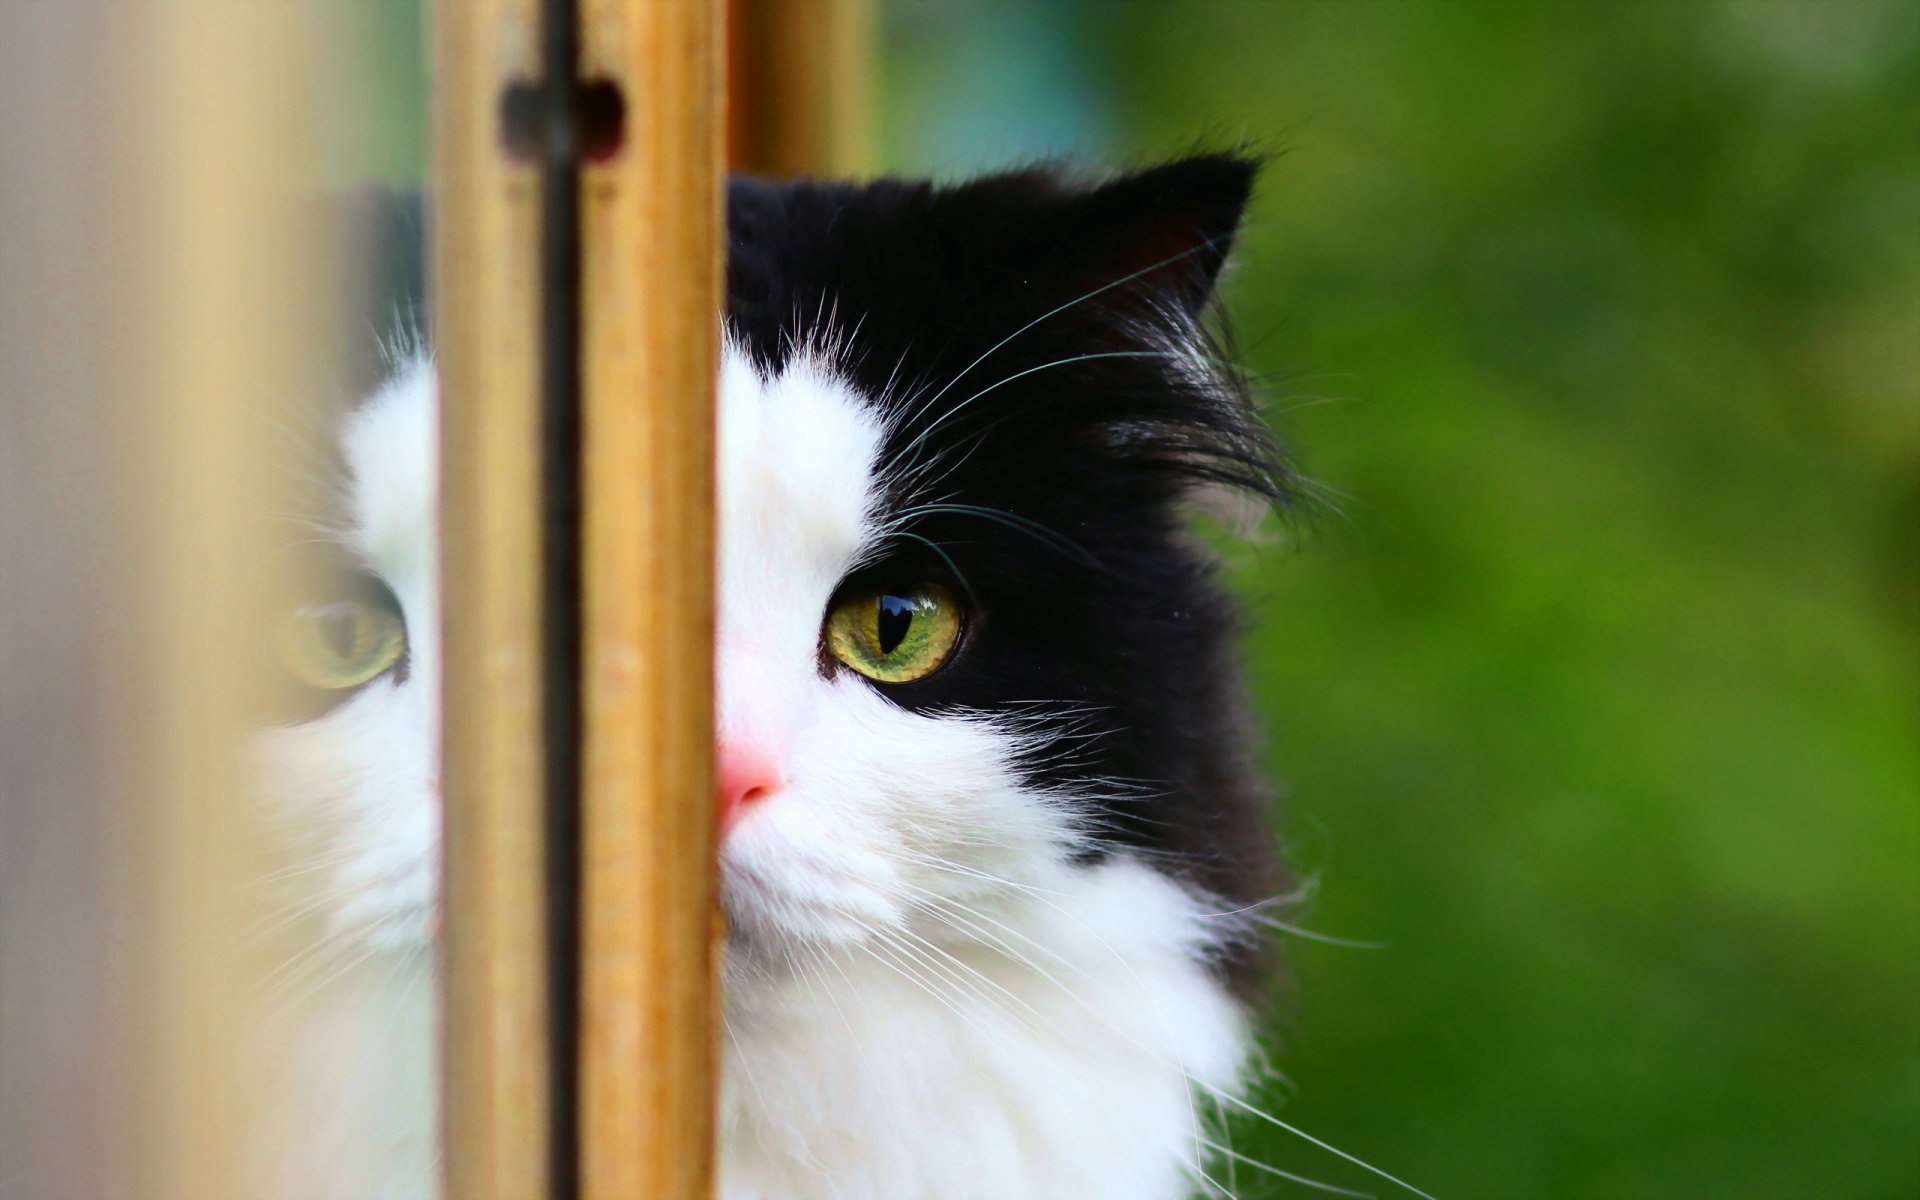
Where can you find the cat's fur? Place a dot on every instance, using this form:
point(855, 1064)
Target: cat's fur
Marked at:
point(989, 933)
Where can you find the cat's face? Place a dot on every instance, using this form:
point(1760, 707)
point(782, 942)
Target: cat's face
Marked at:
point(962, 636)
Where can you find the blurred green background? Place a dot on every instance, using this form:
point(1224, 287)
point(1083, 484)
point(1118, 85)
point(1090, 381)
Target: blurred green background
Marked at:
point(1594, 682)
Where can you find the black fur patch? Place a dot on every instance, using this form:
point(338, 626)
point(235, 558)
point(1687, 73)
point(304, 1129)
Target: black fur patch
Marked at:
point(1036, 343)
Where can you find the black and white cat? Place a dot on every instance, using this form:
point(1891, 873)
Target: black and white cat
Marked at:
point(991, 843)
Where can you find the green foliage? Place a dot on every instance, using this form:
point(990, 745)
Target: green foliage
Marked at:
point(1593, 679)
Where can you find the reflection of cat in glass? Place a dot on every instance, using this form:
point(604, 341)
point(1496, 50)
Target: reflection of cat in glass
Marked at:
point(992, 854)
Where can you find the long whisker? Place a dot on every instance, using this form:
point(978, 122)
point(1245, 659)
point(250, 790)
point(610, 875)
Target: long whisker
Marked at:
point(1014, 521)
point(946, 418)
point(1304, 1135)
point(859, 1043)
point(934, 546)
point(1257, 1165)
point(896, 950)
point(1223, 1095)
point(1193, 1114)
point(1252, 913)
point(340, 967)
point(964, 924)
point(1053, 312)
point(302, 960)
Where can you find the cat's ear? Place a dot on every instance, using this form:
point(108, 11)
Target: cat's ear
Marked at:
point(1162, 233)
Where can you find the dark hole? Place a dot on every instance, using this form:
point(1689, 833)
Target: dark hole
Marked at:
point(599, 119)
point(601, 112)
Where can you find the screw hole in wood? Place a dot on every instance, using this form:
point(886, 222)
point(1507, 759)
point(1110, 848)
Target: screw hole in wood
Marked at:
point(592, 130)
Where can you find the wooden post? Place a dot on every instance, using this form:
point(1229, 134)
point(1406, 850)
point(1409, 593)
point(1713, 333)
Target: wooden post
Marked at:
point(651, 231)
point(799, 86)
point(486, 214)
point(649, 258)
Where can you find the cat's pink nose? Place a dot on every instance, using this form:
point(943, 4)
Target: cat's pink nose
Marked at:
point(744, 776)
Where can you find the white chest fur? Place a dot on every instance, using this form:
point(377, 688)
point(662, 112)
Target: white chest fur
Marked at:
point(1046, 1054)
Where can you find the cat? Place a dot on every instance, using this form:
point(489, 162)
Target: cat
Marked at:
point(992, 846)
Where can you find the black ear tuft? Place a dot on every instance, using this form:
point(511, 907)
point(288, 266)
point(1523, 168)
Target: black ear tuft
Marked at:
point(1168, 228)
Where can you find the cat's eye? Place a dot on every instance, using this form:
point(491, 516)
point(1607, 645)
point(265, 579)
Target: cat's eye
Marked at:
point(340, 636)
point(894, 634)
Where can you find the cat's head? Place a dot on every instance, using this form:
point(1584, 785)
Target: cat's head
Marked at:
point(965, 639)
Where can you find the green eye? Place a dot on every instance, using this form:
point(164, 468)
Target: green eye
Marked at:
point(342, 641)
point(895, 634)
